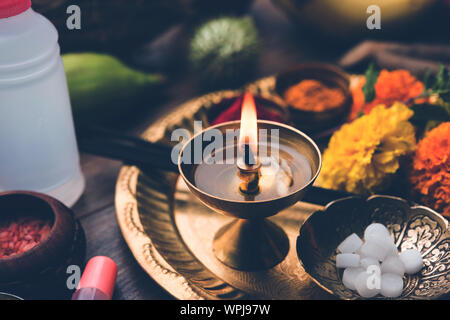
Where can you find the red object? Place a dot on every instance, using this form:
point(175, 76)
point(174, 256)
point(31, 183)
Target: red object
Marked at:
point(234, 113)
point(21, 235)
point(10, 8)
point(98, 278)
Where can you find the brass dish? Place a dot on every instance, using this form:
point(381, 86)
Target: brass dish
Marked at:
point(413, 226)
point(170, 232)
point(332, 76)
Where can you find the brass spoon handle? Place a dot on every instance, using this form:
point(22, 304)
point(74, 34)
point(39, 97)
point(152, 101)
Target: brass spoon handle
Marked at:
point(129, 149)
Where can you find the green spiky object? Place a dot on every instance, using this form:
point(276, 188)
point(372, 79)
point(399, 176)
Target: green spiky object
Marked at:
point(224, 51)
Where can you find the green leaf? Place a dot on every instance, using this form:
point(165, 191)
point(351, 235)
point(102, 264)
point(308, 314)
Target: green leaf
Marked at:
point(439, 83)
point(369, 87)
point(427, 79)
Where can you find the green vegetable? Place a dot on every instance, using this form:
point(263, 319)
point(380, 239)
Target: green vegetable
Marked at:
point(439, 84)
point(224, 51)
point(102, 87)
point(371, 79)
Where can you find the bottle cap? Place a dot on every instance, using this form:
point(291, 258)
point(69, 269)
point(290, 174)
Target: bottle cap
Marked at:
point(10, 8)
point(100, 273)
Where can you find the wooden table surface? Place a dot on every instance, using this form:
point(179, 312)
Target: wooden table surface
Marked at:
point(281, 47)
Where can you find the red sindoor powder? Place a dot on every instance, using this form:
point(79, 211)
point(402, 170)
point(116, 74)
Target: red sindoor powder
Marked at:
point(21, 235)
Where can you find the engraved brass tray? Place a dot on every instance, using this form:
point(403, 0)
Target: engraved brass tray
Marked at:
point(170, 232)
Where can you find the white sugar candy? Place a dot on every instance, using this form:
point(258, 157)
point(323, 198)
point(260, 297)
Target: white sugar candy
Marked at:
point(374, 250)
point(349, 277)
point(393, 252)
point(381, 239)
point(376, 228)
point(351, 244)
point(367, 261)
point(393, 265)
point(412, 259)
point(368, 284)
point(391, 285)
point(358, 252)
point(345, 260)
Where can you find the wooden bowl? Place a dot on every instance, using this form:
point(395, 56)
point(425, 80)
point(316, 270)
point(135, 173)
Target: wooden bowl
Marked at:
point(413, 227)
point(41, 271)
point(331, 76)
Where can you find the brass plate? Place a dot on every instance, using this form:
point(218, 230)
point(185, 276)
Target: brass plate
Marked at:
point(170, 233)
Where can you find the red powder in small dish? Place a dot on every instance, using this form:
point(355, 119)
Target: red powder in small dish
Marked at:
point(21, 235)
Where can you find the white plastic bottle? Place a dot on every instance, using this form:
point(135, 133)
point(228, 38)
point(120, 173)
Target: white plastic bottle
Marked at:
point(38, 149)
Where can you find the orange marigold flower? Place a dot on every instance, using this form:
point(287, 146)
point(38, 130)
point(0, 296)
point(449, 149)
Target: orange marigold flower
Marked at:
point(356, 85)
point(391, 86)
point(430, 175)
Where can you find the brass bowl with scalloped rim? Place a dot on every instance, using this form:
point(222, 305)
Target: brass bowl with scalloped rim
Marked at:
point(413, 226)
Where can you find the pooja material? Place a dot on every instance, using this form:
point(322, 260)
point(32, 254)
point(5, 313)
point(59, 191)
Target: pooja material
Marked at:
point(430, 173)
point(362, 156)
point(350, 244)
point(412, 261)
point(395, 265)
point(376, 228)
point(271, 181)
point(21, 235)
point(195, 226)
point(317, 95)
point(263, 174)
point(361, 285)
point(326, 228)
point(224, 51)
point(383, 87)
point(101, 86)
point(38, 149)
point(98, 280)
point(391, 285)
point(349, 276)
point(363, 272)
point(39, 239)
point(365, 262)
point(313, 95)
point(347, 260)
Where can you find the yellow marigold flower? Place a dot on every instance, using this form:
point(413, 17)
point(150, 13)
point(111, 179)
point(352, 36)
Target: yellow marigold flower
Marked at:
point(364, 154)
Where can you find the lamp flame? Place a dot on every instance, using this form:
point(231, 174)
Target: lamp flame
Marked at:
point(249, 127)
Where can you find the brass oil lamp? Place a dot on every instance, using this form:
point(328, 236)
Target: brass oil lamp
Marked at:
point(266, 168)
